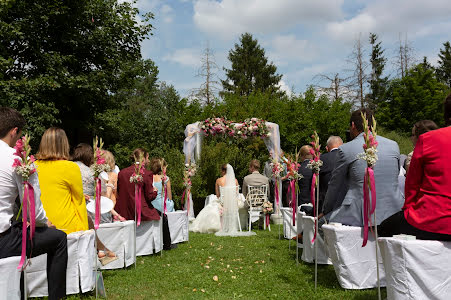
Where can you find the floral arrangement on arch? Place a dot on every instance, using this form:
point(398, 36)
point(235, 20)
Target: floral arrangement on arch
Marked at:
point(253, 127)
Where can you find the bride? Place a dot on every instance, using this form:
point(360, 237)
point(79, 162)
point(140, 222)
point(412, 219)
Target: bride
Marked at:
point(209, 218)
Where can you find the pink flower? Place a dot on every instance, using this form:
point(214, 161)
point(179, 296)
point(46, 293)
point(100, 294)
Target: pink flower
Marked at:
point(100, 161)
point(312, 152)
point(17, 163)
point(32, 159)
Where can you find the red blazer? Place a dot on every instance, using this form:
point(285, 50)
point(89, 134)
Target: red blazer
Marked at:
point(125, 204)
point(428, 183)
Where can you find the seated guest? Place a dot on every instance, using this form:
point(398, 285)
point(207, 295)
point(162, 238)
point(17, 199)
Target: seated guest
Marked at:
point(426, 213)
point(46, 238)
point(109, 188)
point(156, 166)
point(418, 129)
point(125, 204)
point(305, 183)
point(61, 184)
point(255, 178)
point(329, 161)
point(344, 198)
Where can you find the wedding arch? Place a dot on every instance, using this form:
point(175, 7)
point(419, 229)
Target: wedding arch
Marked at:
point(249, 128)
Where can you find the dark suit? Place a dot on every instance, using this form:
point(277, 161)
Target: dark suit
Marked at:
point(329, 160)
point(305, 183)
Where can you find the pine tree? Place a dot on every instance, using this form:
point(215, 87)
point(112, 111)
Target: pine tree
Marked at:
point(250, 71)
point(444, 69)
point(377, 82)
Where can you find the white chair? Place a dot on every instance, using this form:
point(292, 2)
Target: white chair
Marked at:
point(416, 269)
point(10, 278)
point(222, 190)
point(118, 237)
point(308, 254)
point(178, 226)
point(148, 238)
point(289, 231)
point(256, 196)
point(355, 266)
point(80, 266)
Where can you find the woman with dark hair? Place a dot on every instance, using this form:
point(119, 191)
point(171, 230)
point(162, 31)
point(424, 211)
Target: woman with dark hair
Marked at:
point(418, 129)
point(83, 157)
point(61, 183)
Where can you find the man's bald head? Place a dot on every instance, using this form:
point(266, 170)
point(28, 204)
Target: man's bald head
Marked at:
point(333, 142)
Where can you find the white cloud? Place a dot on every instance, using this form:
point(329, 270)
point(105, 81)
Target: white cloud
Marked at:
point(186, 56)
point(391, 16)
point(287, 49)
point(229, 18)
point(284, 87)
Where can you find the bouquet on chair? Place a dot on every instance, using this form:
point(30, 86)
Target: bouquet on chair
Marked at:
point(98, 167)
point(138, 179)
point(24, 167)
point(267, 210)
point(369, 185)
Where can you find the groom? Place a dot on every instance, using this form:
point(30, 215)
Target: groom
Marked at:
point(254, 178)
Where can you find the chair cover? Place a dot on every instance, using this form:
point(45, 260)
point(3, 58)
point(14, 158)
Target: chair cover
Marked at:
point(80, 264)
point(355, 266)
point(289, 231)
point(10, 278)
point(178, 226)
point(148, 239)
point(119, 238)
point(416, 269)
point(308, 254)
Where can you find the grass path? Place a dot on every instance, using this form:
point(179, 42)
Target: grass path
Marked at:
point(210, 267)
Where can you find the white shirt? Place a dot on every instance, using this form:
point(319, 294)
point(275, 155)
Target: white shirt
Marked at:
point(11, 185)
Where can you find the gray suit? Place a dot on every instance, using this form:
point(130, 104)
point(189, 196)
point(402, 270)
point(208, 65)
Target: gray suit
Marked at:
point(254, 179)
point(344, 198)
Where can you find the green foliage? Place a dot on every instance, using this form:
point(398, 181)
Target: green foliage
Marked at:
point(444, 62)
point(403, 139)
point(250, 71)
point(417, 96)
point(66, 59)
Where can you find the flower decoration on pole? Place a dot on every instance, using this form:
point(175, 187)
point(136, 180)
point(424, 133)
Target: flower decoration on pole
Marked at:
point(190, 171)
point(369, 185)
point(24, 167)
point(98, 167)
point(293, 176)
point(277, 169)
point(138, 179)
point(315, 165)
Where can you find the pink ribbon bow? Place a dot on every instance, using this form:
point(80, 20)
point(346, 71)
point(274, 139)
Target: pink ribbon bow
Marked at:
point(98, 194)
point(312, 199)
point(138, 198)
point(28, 196)
point(369, 205)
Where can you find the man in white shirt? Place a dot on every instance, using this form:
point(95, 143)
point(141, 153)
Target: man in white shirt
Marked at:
point(46, 239)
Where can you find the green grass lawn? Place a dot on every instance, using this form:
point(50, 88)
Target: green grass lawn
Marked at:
point(210, 267)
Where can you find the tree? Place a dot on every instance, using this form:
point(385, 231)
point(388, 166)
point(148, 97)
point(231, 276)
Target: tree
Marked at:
point(61, 62)
point(444, 65)
point(405, 58)
point(417, 96)
point(359, 77)
point(339, 88)
point(377, 82)
point(250, 71)
point(206, 93)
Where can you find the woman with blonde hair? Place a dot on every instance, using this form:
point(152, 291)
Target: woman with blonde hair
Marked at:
point(109, 187)
point(61, 184)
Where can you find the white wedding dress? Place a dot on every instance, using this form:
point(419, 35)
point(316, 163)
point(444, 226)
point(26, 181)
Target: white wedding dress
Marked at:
point(208, 220)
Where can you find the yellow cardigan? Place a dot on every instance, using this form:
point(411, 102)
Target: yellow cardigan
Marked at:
point(62, 194)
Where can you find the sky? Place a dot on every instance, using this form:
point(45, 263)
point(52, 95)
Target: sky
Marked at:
point(303, 38)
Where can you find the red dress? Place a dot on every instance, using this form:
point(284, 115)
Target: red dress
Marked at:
point(125, 204)
point(428, 183)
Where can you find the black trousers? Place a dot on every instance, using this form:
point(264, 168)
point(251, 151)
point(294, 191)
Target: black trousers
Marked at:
point(45, 240)
point(166, 232)
point(397, 224)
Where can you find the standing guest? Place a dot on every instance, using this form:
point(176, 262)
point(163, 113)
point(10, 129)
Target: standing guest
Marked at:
point(426, 213)
point(125, 204)
point(418, 129)
point(305, 183)
point(61, 184)
point(255, 178)
point(329, 161)
point(46, 239)
point(343, 201)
